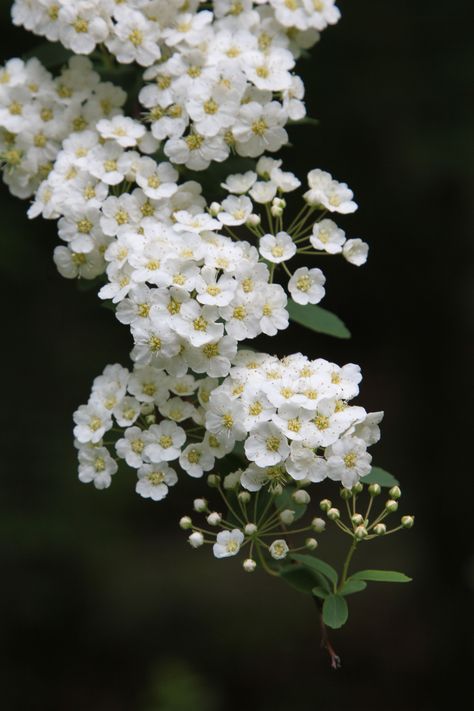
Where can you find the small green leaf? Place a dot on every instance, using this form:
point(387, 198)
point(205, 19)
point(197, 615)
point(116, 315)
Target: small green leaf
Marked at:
point(285, 501)
point(305, 121)
point(381, 576)
point(50, 54)
point(353, 586)
point(317, 319)
point(335, 611)
point(303, 579)
point(377, 475)
point(320, 592)
point(309, 561)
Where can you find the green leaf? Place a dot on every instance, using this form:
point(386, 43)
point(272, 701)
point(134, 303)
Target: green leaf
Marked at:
point(335, 611)
point(377, 475)
point(50, 54)
point(284, 501)
point(353, 586)
point(305, 121)
point(381, 576)
point(304, 580)
point(309, 561)
point(320, 592)
point(317, 319)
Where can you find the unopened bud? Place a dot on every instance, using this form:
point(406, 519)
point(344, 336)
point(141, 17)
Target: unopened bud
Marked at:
point(214, 518)
point(301, 497)
point(276, 489)
point(345, 494)
point(408, 521)
point(214, 208)
point(200, 505)
point(185, 523)
point(391, 505)
point(357, 519)
point(395, 492)
point(334, 514)
point(249, 565)
point(147, 408)
point(287, 517)
point(325, 505)
point(360, 532)
point(276, 211)
point(150, 419)
point(357, 488)
point(375, 489)
point(196, 539)
point(250, 529)
point(244, 497)
point(254, 220)
point(318, 525)
point(380, 529)
point(311, 543)
point(213, 480)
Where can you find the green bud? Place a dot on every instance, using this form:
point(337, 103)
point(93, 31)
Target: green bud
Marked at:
point(380, 529)
point(250, 529)
point(301, 497)
point(375, 489)
point(185, 523)
point(345, 494)
point(408, 521)
point(287, 517)
point(200, 505)
point(244, 497)
point(213, 480)
point(325, 505)
point(357, 519)
point(360, 532)
point(395, 492)
point(391, 505)
point(150, 419)
point(311, 543)
point(318, 525)
point(277, 490)
point(333, 514)
point(357, 488)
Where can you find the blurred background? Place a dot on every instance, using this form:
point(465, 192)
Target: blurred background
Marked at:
point(103, 605)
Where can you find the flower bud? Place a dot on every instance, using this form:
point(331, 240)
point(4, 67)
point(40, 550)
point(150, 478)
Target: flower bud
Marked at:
point(150, 419)
point(325, 505)
point(380, 529)
point(200, 505)
point(196, 539)
point(250, 529)
point(395, 492)
point(357, 488)
point(391, 505)
point(276, 489)
point(279, 549)
point(318, 525)
point(214, 518)
point(375, 489)
point(147, 408)
point(276, 210)
point(244, 497)
point(301, 497)
point(334, 514)
point(249, 565)
point(360, 532)
point(287, 517)
point(357, 519)
point(408, 521)
point(254, 220)
point(185, 523)
point(311, 543)
point(345, 494)
point(214, 208)
point(213, 480)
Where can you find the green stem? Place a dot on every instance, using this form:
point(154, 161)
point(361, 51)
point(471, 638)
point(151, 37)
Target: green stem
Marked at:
point(347, 563)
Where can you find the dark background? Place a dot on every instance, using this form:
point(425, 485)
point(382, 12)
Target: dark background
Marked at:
point(103, 605)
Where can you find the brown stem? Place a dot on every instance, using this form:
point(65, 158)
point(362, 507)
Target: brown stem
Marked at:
point(335, 659)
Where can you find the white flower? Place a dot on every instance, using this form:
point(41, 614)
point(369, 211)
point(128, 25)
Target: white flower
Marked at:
point(355, 251)
point(196, 539)
point(259, 128)
point(164, 442)
point(254, 477)
point(279, 549)
point(224, 417)
point(72, 265)
point(325, 191)
point(154, 480)
point(92, 422)
point(328, 237)
point(149, 384)
point(125, 131)
point(239, 183)
point(304, 464)
point(266, 445)
point(97, 466)
point(214, 290)
point(348, 461)
point(195, 460)
point(235, 210)
point(306, 286)
point(277, 248)
point(127, 411)
point(228, 543)
point(131, 446)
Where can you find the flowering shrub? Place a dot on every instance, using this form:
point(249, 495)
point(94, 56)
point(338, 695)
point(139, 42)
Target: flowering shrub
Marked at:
point(115, 154)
